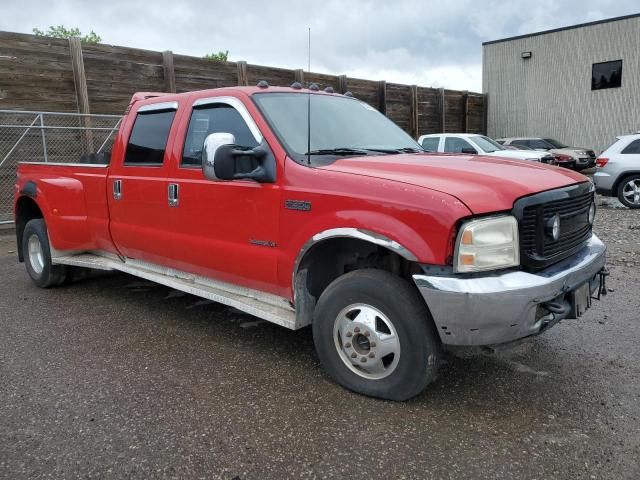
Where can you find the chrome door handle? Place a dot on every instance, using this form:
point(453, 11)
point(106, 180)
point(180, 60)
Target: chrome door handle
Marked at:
point(117, 189)
point(173, 194)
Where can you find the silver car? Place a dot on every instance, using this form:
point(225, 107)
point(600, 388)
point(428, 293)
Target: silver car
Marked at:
point(584, 157)
point(618, 171)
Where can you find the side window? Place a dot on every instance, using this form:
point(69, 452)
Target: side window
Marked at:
point(455, 145)
point(539, 144)
point(524, 143)
point(430, 144)
point(632, 149)
point(209, 119)
point(148, 138)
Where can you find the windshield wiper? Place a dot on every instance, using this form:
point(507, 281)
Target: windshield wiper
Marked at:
point(339, 151)
point(394, 150)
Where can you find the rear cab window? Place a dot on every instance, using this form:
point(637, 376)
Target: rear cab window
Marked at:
point(149, 135)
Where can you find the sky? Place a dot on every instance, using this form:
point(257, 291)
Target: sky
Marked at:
point(428, 43)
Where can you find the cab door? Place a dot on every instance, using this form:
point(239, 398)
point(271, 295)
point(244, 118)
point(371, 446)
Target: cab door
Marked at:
point(226, 230)
point(137, 185)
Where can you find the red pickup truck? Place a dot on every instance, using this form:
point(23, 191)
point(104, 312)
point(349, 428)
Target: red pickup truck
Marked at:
point(307, 207)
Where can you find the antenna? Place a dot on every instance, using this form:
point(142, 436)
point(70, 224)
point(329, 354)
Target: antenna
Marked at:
point(309, 102)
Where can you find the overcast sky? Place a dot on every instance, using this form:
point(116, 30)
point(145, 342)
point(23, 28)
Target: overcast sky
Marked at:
point(429, 43)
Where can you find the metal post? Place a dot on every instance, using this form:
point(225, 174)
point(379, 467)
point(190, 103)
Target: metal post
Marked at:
point(19, 140)
point(114, 129)
point(44, 141)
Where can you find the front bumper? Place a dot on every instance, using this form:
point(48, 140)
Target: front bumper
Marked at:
point(501, 308)
point(603, 182)
point(585, 162)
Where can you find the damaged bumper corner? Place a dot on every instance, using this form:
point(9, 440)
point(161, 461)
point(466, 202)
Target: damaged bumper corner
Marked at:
point(505, 307)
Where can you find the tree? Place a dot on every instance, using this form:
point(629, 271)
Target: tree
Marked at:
point(62, 32)
point(218, 57)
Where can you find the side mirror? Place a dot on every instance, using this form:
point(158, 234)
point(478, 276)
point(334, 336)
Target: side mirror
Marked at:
point(212, 144)
point(222, 159)
point(469, 151)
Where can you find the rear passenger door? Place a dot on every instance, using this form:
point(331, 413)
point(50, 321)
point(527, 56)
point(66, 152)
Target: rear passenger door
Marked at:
point(137, 185)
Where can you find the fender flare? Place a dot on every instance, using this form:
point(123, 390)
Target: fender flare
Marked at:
point(348, 232)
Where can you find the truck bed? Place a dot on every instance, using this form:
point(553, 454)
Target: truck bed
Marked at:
point(76, 196)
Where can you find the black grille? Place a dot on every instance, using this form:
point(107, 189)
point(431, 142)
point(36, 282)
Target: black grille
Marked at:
point(537, 248)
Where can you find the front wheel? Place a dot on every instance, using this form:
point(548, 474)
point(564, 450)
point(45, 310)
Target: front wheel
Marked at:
point(37, 256)
point(374, 335)
point(629, 191)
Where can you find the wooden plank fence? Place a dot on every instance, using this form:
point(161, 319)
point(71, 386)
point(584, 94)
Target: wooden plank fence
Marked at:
point(48, 74)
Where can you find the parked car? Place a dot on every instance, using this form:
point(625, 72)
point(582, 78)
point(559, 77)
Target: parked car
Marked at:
point(618, 171)
point(583, 157)
point(474, 144)
point(561, 160)
point(387, 252)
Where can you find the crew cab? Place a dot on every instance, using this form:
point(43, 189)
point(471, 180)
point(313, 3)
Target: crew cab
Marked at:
point(310, 208)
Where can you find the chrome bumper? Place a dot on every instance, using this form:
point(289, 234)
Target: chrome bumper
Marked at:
point(501, 308)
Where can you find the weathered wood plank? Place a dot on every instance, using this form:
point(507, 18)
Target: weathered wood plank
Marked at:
point(243, 78)
point(382, 97)
point(169, 71)
point(80, 82)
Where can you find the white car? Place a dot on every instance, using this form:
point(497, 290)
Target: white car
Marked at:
point(618, 171)
point(474, 144)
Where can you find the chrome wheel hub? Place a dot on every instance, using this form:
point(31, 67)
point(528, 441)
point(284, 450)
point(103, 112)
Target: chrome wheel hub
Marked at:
point(631, 192)
point(366, 341)
point(36, 255)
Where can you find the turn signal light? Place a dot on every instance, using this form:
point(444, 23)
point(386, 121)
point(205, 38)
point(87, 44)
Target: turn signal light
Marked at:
point(601, 162)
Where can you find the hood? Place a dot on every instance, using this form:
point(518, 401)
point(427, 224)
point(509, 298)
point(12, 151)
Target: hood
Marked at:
point(571, 150)
point(484, 184)
point(519, 154)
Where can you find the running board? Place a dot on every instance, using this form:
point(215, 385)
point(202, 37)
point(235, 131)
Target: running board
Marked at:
point(269, 307)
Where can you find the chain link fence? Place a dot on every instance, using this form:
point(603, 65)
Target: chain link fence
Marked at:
point(50, 137)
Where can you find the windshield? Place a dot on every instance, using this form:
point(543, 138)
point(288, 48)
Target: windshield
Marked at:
point(340, 126)
point(487, 144)
point(555, 143)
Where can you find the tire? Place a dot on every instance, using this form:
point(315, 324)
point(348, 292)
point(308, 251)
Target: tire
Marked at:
point(629, 191)
point(347, 338)
point(37, 256)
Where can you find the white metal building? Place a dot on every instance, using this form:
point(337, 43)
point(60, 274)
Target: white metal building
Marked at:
point(578, 84)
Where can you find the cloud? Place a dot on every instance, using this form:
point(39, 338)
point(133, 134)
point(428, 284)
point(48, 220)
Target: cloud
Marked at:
point(422, 42)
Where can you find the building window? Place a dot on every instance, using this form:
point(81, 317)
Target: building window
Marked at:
point(606, 75)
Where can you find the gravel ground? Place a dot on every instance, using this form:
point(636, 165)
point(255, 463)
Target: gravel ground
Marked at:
point(114, 377)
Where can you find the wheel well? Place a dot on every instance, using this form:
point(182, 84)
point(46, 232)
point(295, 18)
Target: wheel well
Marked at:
point(331, 258)
point(619, 180)
point(26, 209)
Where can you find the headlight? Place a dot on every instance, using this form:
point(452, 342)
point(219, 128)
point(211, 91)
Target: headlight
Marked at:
point(533, 159)
point(487, 244)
